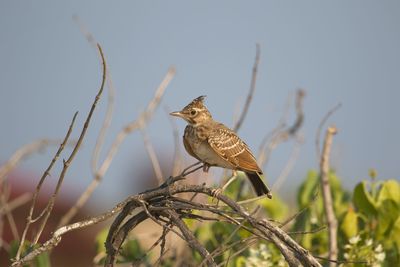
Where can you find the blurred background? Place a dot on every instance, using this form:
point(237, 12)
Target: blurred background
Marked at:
point(338, 52)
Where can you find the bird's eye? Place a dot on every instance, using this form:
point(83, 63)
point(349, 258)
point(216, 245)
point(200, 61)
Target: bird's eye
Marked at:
point(193, 112)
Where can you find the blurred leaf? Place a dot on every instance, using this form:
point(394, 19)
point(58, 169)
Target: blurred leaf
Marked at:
point(349, 225)
point(390, 190)
point(101, 240)
point(275, 208)
point(43, 260)
point(388, 213)
point(241, 261)
point(307, 189)
point(132, 251)
point(395, 234)
point(363, 200)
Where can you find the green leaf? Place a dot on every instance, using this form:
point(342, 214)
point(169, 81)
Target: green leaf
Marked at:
point(387, 215)
point(43, 260)
point(363, 200)
point(390, 190)
point(395, 233)
point(307, 189)
point(132, 251)
point(100, 240)
point(349, 225)
point(241, 261)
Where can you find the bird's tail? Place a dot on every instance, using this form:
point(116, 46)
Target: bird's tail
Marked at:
point(256, 179)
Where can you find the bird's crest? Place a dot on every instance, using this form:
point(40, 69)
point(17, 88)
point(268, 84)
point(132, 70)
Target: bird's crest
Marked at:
point(197, 103)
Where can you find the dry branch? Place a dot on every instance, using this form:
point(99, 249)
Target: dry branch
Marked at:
point(320, 126)
point(164, 206)
point(251, 90)
point(327, 196)
point(128, 129)
point(29, 219)
point(282, 133)
point(25, 152)
point(161, 202)
point(66, 163)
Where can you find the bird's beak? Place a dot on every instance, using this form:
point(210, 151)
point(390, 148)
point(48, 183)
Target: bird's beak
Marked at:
point(177, 114)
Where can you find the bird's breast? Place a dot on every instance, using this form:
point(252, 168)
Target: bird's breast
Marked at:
point(197, 139)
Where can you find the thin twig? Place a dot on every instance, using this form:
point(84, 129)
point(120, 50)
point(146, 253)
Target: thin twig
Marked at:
point(190, 238)
point(16, 202)
point(288, 167)
point(282, 133)
point(39, 186)
point(68, 162)
point(57, 235)
point(320, 126)
point(327, 196)
point(110, 101)
point(177, 159)
point(128, 129)
point(152, 155)
point(251, 90)
point(24, 152)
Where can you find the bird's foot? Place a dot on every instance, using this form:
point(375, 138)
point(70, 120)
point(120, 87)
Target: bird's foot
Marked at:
point(215, 193)
point(206, 167)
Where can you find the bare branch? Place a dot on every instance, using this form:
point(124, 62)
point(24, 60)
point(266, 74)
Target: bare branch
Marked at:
point(327, 196)
point(321, 124)
point(152, 155)
point(251, 90)
point(24, 152)
point(29, 219)
point(57, 235)
point(282, 133)
point(128, 129)
point(177, 160)
point(67, 163)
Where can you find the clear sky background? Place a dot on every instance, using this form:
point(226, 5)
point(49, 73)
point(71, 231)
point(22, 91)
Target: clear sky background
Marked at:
point(338, 51)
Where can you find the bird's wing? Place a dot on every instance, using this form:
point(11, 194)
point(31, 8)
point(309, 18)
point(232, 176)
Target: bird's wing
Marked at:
point(231, 148)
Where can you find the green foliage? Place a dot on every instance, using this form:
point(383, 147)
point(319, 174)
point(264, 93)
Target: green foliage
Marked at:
point(312, 216)
point(43, 260)
point(262, 255)
point(366, 251)
point(378, 210)
point(371, 217)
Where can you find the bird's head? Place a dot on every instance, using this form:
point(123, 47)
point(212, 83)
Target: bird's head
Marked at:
point(195, 112)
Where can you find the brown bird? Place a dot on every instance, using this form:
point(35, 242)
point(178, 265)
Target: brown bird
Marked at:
point(214, 144)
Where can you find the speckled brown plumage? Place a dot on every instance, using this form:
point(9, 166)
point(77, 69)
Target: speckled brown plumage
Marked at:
point(216, 145)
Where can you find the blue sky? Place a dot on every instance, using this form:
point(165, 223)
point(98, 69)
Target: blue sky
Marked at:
point(338, 51)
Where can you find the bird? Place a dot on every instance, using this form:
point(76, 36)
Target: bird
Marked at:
point(214, 144)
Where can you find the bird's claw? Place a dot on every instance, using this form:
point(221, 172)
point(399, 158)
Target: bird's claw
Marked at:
point(206, 167)
point(216, 192)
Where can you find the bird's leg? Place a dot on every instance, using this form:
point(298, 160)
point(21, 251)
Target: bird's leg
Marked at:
point(206, 167)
